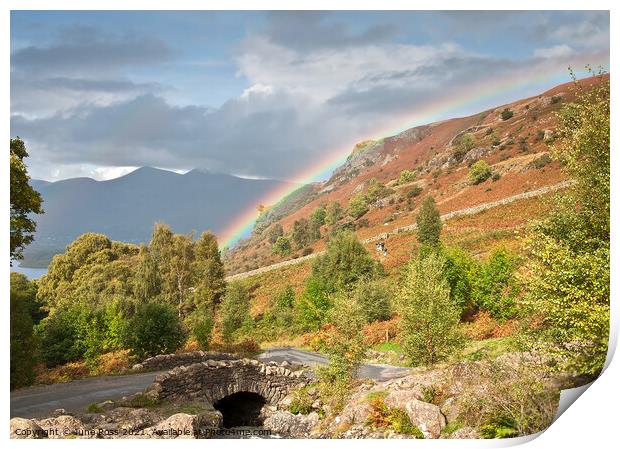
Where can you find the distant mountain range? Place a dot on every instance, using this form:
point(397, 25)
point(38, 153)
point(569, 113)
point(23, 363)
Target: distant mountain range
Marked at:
point(126, 208)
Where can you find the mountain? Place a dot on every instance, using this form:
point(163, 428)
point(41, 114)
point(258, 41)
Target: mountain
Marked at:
point(514, 139)
point(126, 208)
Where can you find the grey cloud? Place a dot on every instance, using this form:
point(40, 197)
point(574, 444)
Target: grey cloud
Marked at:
point(91, 53)
point(307, 30)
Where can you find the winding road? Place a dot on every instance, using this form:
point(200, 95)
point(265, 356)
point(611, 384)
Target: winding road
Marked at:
point(42, 400)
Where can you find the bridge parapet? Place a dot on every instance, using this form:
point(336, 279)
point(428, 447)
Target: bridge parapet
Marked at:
point(213, 380)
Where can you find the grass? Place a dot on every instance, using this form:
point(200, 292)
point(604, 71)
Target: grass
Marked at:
point(94, 408)
point(490, 348)
point(389, 346)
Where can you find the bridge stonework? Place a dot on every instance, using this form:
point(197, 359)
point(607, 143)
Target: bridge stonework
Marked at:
point(214, 380)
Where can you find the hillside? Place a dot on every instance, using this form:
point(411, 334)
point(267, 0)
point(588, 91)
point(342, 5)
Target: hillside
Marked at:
point(514, 139)
point(126, 208)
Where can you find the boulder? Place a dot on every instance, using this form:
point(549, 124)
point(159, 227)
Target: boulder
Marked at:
point(22, 428)
point(287, 424)
point(400, 398)
point(426, 417)
point(62, 427)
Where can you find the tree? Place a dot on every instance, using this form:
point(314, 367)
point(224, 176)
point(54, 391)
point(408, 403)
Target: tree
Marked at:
point(333, 213)
point(374, 298)
point(479, 172)
point(23, 344)
point(460, 271)
point(202, 329)
point(154, 329)
point(24, 200)
point(25, 291)
point(208, 271)
point(429, 223)
point(346, 349)
point(358, 205)
point(376, 190)
point(274, 232)
point(147, 280)
point(494, 286)
point(568, 271)
point(318, 215)
point(429, 323)
point(301, 233)
point(282, 246)
point(60, 335)
point(234, 310)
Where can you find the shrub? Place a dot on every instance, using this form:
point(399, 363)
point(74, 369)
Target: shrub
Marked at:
point(462, 145)
point(406, 176)
point(234, 310)
point(154, 329)
point(376, 190)
point(495, 289)
point(202, 331)
point(479, 172)
point(507, 114)
point(113, 362)
point(282, 246)
point(382, 416)
point(333, 213)
point(301, 402)
point(414, 191)
point(23, 345)
point(301, 234)
point(429, 323)
point(459, 270)
point(60, 335)
point(496, 177)
point(429, 223)
point(358, 205)
point(541, 162)
point(375, 299)
point(275, 231)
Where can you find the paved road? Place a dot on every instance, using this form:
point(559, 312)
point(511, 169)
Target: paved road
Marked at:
point(368, 371)
point(41, 400)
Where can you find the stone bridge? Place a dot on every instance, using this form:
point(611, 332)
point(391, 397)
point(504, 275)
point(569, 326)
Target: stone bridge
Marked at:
point(214, 380)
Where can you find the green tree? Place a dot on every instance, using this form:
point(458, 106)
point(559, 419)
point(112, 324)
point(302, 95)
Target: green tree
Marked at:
point(24, 200)
point(23, 343)
point(460, 270)
point(346, 350)
point(61, 335)
point(300, 235)
point(429, 323)
point(358, 205)
point(234, 310)
point(479, 172)
point(147, 280)
point(333, 213)
point(507, 114)
point(208, 271)
point(374, 298)
point(274, 232)
point(494, 286)
point(25, 291)
point(282, 246)
point(154, 329)
point(568, 271)
point(429, 223)
point(318, 215)
point(202, 330)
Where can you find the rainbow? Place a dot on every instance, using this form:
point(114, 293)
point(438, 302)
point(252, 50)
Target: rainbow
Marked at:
point(467, 100)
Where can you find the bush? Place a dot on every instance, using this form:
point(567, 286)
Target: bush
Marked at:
point(274, 232)
point(282, 246)
point(60, 335)
point(382, 416)
point(333, 213)
point(462, 145)
point(429, 223)
point(407, 176)
point(375, 299)
point(234, 310)
point(507, 114)
point(414, 191)
point(202, 331)
point(23, 344)
point(154, 329)
point(429, 322)
point(302, 402)
point(479, 172)
point(495, 289)
point(358, 205)
point(459, 270)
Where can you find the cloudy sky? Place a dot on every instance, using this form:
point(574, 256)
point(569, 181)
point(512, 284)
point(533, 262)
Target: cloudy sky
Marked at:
point(260, 94)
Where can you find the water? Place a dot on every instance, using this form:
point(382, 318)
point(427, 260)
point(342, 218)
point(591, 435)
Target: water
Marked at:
point(30, 273)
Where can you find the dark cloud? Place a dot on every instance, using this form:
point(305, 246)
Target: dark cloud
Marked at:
point(309, 30)
point(81, 51)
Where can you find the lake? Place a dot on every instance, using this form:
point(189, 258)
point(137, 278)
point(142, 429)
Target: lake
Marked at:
point(30, 273)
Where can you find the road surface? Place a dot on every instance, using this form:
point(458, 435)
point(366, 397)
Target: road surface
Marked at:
point(42, 400)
